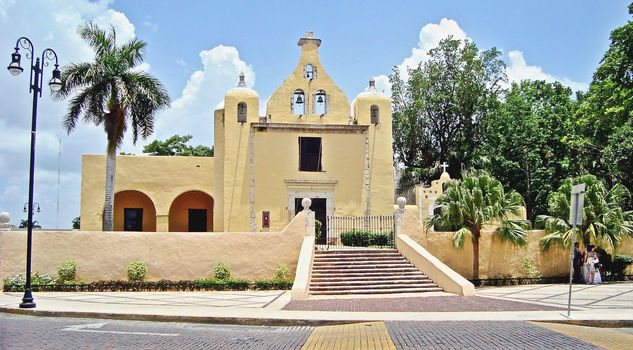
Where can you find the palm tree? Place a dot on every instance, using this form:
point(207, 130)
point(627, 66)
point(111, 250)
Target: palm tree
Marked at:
point(112, 92)
point(474, 201)
point(604, 220)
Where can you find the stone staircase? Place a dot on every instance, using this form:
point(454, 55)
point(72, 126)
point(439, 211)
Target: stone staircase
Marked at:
point(366, 271)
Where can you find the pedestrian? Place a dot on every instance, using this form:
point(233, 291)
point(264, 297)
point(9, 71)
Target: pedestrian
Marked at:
point(591, 260)
point(577, 259)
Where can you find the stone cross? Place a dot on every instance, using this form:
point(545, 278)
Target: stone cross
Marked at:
point(444, 166)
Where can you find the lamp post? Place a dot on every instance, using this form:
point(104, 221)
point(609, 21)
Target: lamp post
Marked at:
point(36, 80)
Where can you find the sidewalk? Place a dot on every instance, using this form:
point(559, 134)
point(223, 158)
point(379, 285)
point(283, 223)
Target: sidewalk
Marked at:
point(606, 304)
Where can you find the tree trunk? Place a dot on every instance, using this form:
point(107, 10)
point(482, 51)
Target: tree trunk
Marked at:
point(108, 212)
point(476, 235)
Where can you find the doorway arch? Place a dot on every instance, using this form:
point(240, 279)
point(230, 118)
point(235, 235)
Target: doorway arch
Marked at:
point(191, 211)
point(134, 211)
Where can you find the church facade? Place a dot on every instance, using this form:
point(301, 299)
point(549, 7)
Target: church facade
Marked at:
point(311, 142)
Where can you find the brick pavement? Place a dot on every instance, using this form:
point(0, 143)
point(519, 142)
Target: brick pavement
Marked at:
point(416, 304)
point(487, 335)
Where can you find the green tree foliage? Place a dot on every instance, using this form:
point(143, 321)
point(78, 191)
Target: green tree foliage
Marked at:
point(176, 146)
point(474, 201)
point(112, 91)
point(437, 109)
point(25, 224)
point(77, 223)
point(604, 220)
point(523, 141)
point(606, 113)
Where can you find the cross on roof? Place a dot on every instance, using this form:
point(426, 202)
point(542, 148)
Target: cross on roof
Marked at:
point(444, 166)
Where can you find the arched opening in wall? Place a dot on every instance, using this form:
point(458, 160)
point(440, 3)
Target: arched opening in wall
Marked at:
point(134, 211)
point(321, 103)
point(374, 113)
point(191, 211)
point(241, 112)
point(309, 72)
point(298, 102)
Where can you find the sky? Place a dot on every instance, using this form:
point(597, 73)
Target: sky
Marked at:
point(198, 48)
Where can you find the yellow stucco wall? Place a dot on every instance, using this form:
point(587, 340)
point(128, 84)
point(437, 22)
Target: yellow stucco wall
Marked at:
point(496, 258)
point(162, 179)
point(168, 255)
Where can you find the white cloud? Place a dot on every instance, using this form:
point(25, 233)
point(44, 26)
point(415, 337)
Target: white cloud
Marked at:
point(57, 23)
point(430, 36)
point(518, 70)
point(192, 112)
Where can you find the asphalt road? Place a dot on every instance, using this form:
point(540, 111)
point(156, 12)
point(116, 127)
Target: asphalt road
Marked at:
point(29, 332)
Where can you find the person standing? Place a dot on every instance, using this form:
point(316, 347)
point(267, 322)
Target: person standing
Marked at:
point(577, 259)
point(590, 263)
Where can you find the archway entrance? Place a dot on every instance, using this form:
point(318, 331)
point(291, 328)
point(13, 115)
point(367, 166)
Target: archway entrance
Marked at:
point(134, 211)
point(191, 212)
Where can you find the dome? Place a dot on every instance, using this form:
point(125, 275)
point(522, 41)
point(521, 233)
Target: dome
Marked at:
point(241, 89)
point(371, 92)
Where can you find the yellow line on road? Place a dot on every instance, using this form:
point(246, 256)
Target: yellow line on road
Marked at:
point(367, 335)
point(603, 337)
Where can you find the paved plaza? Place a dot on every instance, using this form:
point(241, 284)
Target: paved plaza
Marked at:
point(511, 317)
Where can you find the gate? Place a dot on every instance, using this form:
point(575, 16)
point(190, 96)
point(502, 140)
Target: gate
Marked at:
point(359, 232)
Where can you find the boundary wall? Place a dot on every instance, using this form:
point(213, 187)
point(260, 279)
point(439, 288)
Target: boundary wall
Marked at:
point(168, 255)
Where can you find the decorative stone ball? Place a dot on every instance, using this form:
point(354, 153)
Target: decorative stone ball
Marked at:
point(4, 217)
point(401, 201)
point(306, 203)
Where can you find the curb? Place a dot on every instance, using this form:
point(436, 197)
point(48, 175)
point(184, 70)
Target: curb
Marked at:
point(246, 321)
point(241, 321)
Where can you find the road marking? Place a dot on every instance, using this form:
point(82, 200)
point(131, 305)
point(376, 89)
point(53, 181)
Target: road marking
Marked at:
point(367, 335)
point(94, 328)
point(603, 337)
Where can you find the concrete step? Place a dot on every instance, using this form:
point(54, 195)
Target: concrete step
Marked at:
point(361, 262)
point(362, 277)
point(358, 258)
point(329, 274)
point(377, 291)
point(374, 267)
point(356, 251)
point(371, 283)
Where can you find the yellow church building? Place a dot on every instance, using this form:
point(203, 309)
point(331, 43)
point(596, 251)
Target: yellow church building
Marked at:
point(310, 143)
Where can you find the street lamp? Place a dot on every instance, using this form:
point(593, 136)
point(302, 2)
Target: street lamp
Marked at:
point(36, 80)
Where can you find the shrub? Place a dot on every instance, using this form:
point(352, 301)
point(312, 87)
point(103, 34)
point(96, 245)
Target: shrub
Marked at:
point(238, 284)
point(362, 238)
point(528, 267)
point(222, 271)
point(282, 272)
point(67, 270)
point(136, 271)
point(317, 229)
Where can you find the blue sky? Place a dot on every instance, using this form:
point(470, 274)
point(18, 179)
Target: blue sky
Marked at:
point(198, 48)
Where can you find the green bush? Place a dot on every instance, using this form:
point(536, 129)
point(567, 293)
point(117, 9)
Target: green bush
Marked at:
point(209, 283)
point(238, 284)
point(528, 267)
point(67, 270)
point(136, 271)
point(363, 238)
point(282, 272)
point(317, 229)
point(222, 271)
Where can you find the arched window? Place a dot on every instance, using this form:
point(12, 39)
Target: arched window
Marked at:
point(241, 112)
point(298, 102)
point(321, 104)
point(374, 113)
point(309, 72)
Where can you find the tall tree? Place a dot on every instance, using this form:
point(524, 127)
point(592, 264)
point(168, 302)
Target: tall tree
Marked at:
point(177, 146)
point(437, 108)
point(112, 91)
point(604, 220)
point(606, 113)
point(523, 141)
point(474, 201)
